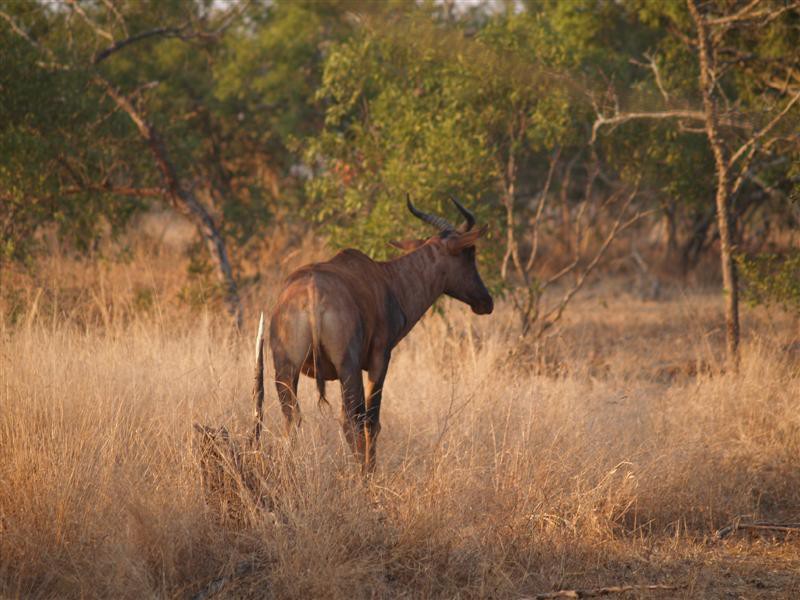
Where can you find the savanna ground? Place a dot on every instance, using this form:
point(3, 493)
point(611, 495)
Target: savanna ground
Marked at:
point(608, 455)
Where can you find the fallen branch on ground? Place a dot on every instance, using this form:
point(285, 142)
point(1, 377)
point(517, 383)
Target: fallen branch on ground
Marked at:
point(603, 591)
point(757, 526)
point(212, 588)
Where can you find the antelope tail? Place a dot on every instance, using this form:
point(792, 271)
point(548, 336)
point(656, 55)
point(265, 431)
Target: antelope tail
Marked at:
point(320, 383)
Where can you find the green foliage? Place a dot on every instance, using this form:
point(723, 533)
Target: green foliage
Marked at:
point(397, 122)
point(62, 158)
point(771, 279)
point(375, 100)
point(49, 123)
point(417, 107)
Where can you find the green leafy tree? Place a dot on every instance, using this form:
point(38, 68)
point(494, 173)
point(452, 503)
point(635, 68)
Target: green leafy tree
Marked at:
point(419, 106)
point(197, 105)
point(743, 117)
point(396, 123)
point(50, 126)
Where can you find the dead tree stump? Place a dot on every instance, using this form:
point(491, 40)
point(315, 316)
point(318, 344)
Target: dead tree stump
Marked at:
point(233, 470)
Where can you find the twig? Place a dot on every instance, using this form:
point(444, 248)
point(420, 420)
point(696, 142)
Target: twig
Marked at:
point(117, 15)
point(764, 130)
point(603, 591)
point(540, 210)
point(22, 33)
point(744, 13)
point(744, 170)
point(95, 27)
point(554, 314)
point(748, 14)
point(184, 32)
point(152, 192)
point(119, 45)
point(653, 66)
point(756, 526)
point(53, 64)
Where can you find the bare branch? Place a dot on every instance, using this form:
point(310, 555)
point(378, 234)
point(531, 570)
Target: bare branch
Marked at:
point(694, 115)
point(686, 129)
point(743, 172)
point(554, 314)
point(117, 15)
point(784, 86)
point(562, 273)
point(18, 30)
point(512, 248)
point(53, 64)
point(24, 35)
point(235, 10)
point(603, 591)
point(757, 526)
point(95, 27)
point(151, 192)
point(539, 209)
point(689, 42)
point(653, 66)
point(618, 119)
point(182, 32)
point(764, 130)
point(749, 14)
point(745, 13)
point(587, 197)
point(160, 31)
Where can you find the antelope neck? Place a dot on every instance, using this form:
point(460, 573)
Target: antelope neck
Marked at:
point(415, 281)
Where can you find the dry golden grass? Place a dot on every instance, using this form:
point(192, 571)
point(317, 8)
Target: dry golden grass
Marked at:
point(609, 455)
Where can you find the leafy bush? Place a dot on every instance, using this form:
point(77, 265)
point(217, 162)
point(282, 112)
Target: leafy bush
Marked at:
point(772, 279)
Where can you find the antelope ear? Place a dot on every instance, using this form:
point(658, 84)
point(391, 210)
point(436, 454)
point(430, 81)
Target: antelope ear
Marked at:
point(457, 243)
point(406, 245)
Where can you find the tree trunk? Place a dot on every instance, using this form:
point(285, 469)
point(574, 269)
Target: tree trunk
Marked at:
point(729, 280)
point(692, 248)
point(509, 193)
point(729, 277)
point(184, 200)
point(670, 232)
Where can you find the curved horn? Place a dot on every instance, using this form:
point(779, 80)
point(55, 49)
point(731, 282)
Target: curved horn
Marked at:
point(438, 222)
point(467, 214)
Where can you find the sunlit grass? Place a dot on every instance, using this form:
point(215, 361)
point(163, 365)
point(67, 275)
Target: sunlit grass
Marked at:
point(609, 455)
